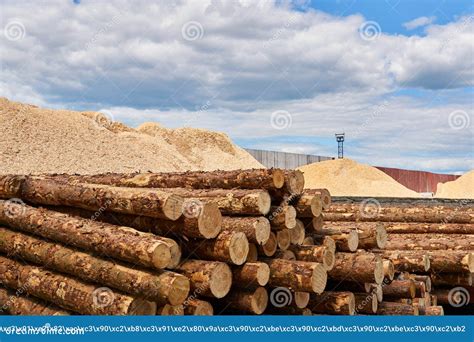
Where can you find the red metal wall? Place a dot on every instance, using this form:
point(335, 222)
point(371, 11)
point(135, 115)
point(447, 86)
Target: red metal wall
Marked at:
point(419, 181)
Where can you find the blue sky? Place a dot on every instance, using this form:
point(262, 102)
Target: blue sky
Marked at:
point(395, 75)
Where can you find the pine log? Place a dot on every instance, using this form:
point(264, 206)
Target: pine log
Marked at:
point(286, 254)
point(257, 229)
point(434, 311)
point(252, 256)
point(371, 234)
point(10, 186)
point(162, 287)
point(122, 243)
point(400, 289)
point(320, 254)
point(282, 217)
point(269, 248)
point(451, 261)
point(459, 242)
point(251, 275)
point(170, 310)
point(450, 279)
point(397, 309)
point(283, 239)
point(308, 240)
point(376, 289)
point(297, 275)
point(345, 242)
point(333, 303)
point(366, 303)
point(428, 228)
point(232, 247)
point(146, 202)
point(399, 213)
point(69, 293)
point(297, 234)
point(388, 270)
point(197, 307)
point(318, 222)
point(300, 299)
point(208, 278)
point(323, 193)
point(408, 261)
point(254, 301)
point(426, 279)
point(17, 304)
point(309, 206)
point(359, 267)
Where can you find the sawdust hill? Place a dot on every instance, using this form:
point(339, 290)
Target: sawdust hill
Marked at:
point(345, 177)
point(463, 187)
point(35, 140)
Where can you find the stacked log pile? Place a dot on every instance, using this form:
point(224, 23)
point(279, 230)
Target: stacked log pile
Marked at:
point(429, 242)
point(203, 243)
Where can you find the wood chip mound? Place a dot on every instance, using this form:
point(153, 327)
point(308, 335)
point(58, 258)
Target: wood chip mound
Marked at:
point(462, 188)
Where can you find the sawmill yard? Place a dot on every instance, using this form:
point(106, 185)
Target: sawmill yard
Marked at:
point(99, 218)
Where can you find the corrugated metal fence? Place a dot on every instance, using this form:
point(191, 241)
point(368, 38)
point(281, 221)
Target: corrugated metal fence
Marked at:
point(284, 160)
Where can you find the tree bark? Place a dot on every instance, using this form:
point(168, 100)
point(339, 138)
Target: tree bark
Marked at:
point(256, 229)
point(333, 303)
point(10, 186)
point(20, 305)
point(162, 287)
point(69, 293)
point(429, 228)
point(208, 278)
point(359, 267)
point(231, 247)
point(400, 289)
point(251, 275)
point(461, 242)
point(297, 275)
point(170, 310)
point(452, 279)
point(397, 309)
point(146, 202)
point(119, 242)
point(252, 256)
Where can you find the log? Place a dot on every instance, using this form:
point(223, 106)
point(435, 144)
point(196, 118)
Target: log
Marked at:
point(252, 256)
point(69, 293)
point(269, 248)
point(308, 240)
point(122, 243)
point(254, 301)
point(283, 239)
point(376, 289)
point(231, 247)
point(10, 186)
point(451, 261)
point(197, 307)
point(388, 270)
point(359, 267)
point(455, 296)
point(243, 179)
point(17, 304)
point(205, 223)
point(397, 309)
point(207, 278)
point(400, 213)
point(345, 242)
point(297, 234)
point(408, 261)
point(230, 202)
point(162, 287)
point(251, 275)
point(434, 311)
point(282, 217)
point(428, 228)
point(256, 229)
point(371, 234)
point(365, 303)
point(146, 202)
point(324, 195)
point(457, 242)
point(170, 310)
point(333, 303)
point(420, 289)
point(309, 206)
point(320, 254)
point(450, 279)
point(317, 222)
point(286, 254)
point(400, 289)
point(300, 299)
point(297, 275)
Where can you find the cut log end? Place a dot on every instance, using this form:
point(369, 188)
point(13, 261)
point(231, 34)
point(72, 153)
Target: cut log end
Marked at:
point(319, 278)
point(283, 239)
point(353, 240)
point(434, 311)
point(264, 202)
point(161, 256)
point(388, 269)
point(426, 263)
point(301, 299)
point(297, 234)
point(278, 177)
point(378, 271)
point(170, 310)
point(262, 230)
point(263, 274)
point(142, 307)
point(316, 206)
point(468, 260)
point(238, 248)
point(201, 308)
point(329, 258)
point(210, 220)
point(259, 300)
point(179, 290)
point(381, 236)
point(252, 256)
point(220, 280)
point(175, 253)
point(173, 207)
point(271, 246)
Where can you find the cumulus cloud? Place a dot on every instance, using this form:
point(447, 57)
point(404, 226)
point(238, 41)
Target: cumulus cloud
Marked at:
point(418, 22)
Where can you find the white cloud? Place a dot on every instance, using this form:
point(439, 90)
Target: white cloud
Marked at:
point(418, 22)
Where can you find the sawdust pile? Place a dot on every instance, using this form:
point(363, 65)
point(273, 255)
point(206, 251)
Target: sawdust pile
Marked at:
point(345, 177)
point(35, 140)
point(462, 188)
